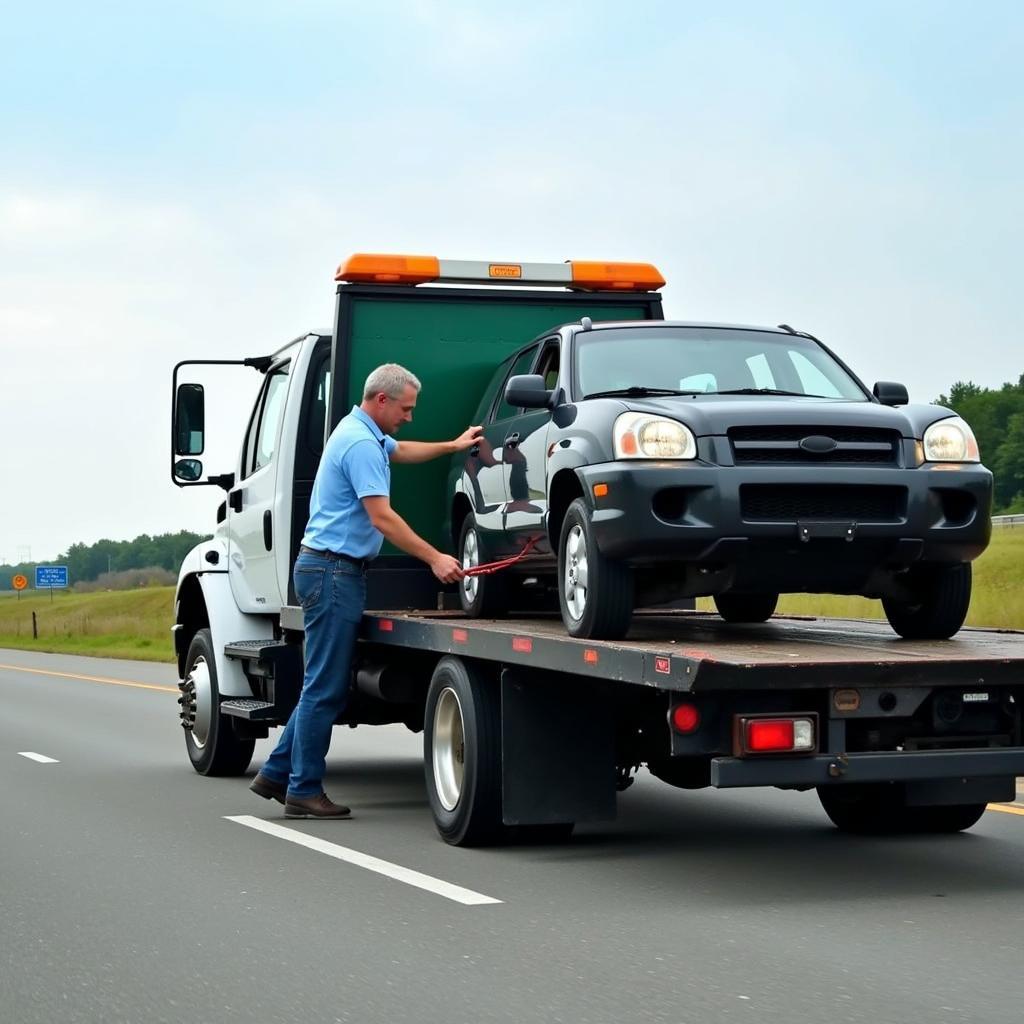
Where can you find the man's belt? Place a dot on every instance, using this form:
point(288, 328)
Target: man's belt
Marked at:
point(336, 556)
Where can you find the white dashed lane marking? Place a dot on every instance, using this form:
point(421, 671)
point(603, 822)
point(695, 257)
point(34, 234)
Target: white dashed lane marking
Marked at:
point(363, 860)
point(41, 758)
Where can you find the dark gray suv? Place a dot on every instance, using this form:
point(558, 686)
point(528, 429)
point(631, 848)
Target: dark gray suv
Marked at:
point(650, 461)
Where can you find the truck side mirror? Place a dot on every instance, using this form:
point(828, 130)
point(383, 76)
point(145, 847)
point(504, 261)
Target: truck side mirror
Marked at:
point(889, 393)
point(188, 470)
point(189, 421)
point(527, 391)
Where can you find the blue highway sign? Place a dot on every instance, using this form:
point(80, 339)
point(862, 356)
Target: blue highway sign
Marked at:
point(48, 576)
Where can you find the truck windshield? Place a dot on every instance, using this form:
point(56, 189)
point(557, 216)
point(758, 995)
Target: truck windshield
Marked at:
point(707, 360)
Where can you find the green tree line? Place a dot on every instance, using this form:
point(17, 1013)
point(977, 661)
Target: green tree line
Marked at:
point(86, 562)
point(996, 416)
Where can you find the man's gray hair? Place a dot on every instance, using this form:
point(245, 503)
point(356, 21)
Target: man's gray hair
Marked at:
point(391, 379)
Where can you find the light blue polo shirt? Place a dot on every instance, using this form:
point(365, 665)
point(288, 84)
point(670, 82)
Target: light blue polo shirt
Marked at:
point(355, 465)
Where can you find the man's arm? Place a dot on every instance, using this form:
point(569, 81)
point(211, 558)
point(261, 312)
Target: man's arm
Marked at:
point(424, 451)
point(402, 535)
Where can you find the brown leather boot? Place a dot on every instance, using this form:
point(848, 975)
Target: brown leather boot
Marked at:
point(314, 807)
point(268, 788)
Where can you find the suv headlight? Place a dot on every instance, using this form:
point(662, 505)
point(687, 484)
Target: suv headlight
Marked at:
point(950, 440)
point(641, 435)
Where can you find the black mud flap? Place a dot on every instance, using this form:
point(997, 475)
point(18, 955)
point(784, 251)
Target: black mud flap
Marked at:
point(558, 749)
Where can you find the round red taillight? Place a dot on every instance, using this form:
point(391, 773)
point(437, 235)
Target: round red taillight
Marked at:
point(685, 718)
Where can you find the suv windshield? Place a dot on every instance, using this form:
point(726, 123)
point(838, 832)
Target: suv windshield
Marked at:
point(707, 360)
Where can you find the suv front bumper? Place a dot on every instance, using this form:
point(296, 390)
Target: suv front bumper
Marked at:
point(697, 512)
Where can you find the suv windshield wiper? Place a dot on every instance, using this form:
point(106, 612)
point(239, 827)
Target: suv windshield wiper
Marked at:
point(762, 391)
point(636, 392)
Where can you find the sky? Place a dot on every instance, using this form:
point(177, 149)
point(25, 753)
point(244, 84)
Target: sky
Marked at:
point(181, 181)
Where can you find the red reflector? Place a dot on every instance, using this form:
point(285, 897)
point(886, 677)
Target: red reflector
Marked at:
point(770, 734)
point(460, 636)
point(662, 665)
point(523, 644)
point(386, 625)
point(685, 718)
point(591, 657)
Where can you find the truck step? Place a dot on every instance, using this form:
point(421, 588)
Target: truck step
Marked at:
point(255, 650)
point(249, 709)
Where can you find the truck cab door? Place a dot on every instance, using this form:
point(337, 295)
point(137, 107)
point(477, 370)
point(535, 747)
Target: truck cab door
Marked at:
point(253, 503)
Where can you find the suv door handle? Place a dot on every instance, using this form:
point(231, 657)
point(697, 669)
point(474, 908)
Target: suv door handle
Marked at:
point(235, 499)
point(512, 440)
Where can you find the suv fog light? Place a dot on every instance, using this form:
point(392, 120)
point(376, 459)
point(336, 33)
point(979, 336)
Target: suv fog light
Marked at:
point(775, 735)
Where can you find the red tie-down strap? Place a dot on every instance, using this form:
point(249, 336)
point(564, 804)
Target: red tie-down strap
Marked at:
point(489, 567)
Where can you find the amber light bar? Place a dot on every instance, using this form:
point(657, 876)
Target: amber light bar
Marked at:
point(380, 268)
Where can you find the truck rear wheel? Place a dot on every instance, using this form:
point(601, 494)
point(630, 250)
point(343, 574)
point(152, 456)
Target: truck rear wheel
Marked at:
point(938, 605)
point(213, 746)
point(881, 809)
point(462, 753)
point(482, 597)
point(595, 593)
point(746, 607)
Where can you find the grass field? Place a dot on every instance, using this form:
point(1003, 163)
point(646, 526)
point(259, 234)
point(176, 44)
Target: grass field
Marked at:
point(136, 623)
point(109, 624)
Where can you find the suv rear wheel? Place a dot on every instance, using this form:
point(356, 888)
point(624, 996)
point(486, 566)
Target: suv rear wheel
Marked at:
point(746, 607)
point(482, 597)
point(938, 604)
point(595, 593)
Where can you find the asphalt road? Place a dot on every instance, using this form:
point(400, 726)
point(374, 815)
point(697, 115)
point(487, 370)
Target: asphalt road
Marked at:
point(128, 893)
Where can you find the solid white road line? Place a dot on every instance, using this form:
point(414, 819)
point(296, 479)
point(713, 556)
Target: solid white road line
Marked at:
point(41, 758)
point(363, 860)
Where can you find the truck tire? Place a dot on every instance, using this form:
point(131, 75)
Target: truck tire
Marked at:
point(746, 607)
point(938, 607)
point(462, 753)
point(482, 597)
point(882, 810)
point(595, 594)
point(213, 746)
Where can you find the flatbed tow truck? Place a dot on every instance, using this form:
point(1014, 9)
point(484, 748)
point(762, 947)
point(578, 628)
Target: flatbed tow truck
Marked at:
point(528, 731)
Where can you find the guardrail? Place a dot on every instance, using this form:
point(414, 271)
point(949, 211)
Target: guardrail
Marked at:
point(1008, 520)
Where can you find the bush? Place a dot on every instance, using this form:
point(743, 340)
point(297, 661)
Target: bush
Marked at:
point(129, 579)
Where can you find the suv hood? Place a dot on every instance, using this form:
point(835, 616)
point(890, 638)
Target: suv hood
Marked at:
point(716, 414)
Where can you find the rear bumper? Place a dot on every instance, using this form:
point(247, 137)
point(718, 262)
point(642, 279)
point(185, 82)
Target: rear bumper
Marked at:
point(840, 769)
point(697, 512)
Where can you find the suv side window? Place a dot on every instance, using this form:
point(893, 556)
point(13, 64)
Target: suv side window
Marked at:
point(521, 364)
point(266, 419)
point(547, 365)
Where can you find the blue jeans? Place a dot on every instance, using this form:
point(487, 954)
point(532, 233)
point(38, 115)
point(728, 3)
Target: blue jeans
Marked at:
point(332, 595)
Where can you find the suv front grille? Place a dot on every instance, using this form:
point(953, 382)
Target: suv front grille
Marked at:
point(792, 502)
point(859, 445)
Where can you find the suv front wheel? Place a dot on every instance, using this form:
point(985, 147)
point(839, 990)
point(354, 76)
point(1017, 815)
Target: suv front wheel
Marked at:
point(937, 606)
point(595, 593)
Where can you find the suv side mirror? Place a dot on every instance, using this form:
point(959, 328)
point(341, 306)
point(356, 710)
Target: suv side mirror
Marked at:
point(527, 391)
point(889, 393)
point(189, 420)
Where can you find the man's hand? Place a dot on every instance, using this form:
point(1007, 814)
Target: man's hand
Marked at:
point(469, 437)
point(446, 568)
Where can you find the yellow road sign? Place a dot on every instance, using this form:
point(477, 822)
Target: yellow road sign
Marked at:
point(19, 582)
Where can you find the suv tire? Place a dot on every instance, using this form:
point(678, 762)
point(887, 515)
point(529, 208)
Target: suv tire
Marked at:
point(595, 594)
point(938, 607)
point(746, 607)
point(482, 597)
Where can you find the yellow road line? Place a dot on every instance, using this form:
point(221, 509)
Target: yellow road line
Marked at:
point(1005, 809)
point(90, 679)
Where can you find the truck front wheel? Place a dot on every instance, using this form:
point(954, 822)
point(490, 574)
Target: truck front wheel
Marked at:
point(882, 810)
point(462, 753)
point(213, 746)
point(937, 606)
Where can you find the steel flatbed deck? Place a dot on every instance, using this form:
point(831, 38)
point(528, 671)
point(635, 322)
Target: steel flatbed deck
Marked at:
point(697, 651)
